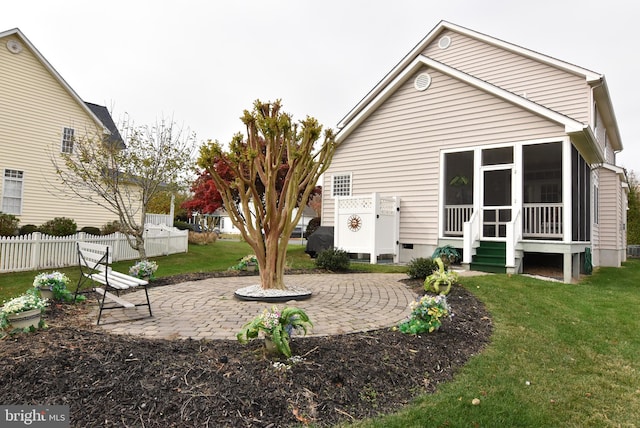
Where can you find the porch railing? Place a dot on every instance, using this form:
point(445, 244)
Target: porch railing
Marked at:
point(471, 235)
point(542, 220)
point(455, 217)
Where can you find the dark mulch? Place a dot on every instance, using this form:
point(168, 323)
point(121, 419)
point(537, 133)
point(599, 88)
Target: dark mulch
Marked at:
point(122, 381)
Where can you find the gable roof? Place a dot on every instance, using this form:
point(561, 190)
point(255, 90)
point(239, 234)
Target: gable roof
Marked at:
point(414, 59)
point(105, 117)
point(23, 39)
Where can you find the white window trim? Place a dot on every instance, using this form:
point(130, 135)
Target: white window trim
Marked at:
point(333, 181)
point(64, 140)
point(4, 187)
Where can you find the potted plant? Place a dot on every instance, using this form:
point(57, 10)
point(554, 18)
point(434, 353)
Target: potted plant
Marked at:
point(144, 269)
point(23, 312)
point(442, 277)
point(247, 263)
point(51, 285)
point(276, 326)
point(426, 315)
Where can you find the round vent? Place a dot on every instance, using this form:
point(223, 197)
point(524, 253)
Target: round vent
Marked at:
point(14, 46)
point(422, 82)
point(444, 42)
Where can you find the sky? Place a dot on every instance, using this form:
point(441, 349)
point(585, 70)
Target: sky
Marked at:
point(202, 63)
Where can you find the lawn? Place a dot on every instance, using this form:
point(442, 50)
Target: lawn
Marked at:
point(561, 354)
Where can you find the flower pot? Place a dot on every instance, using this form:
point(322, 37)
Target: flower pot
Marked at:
point(46, 293)
point(25, 319)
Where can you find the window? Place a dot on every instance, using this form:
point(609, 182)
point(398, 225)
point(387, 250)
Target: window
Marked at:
point(500, 156)
point(12, 192)
point(67, 140)
point(341, 185)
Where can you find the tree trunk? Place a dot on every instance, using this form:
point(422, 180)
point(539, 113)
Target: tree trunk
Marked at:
point(272, 267)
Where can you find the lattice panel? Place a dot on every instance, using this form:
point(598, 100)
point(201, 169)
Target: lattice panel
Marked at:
point(355, 203)
point(387, 206)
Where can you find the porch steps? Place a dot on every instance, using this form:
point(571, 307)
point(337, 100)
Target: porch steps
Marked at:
point(490, 257)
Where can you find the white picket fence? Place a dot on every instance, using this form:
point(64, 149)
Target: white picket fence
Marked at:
point(38, 251)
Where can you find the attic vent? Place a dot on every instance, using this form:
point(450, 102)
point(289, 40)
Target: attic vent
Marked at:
point(422, 82)
point(14, 46)
point(444, 42)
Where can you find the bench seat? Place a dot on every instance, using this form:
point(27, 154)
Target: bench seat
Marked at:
point(95, 266)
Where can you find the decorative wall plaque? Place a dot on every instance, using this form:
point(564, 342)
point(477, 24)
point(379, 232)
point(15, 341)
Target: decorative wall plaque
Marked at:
point(355, 223)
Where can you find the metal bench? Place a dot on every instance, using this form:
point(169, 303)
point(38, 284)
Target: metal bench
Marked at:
point(94, 261)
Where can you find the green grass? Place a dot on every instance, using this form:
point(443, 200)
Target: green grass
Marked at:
point(576, 345)
point(200, 258)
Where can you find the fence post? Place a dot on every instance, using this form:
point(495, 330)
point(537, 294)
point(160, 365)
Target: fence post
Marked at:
point(35, 250)
point(116, 247)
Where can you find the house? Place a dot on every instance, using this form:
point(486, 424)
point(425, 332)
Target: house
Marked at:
point(220, 218)
point(504, 153)
point(40, 115)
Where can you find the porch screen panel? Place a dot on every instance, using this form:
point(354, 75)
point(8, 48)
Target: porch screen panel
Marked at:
point(542, 211)
point(581, 197)
point(458, 191)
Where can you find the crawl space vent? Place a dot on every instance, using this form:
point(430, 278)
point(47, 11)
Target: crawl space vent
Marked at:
point(422, 82)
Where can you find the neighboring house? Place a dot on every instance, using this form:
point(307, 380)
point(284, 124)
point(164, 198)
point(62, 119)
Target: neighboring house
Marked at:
point(40, 115)
point(486, 143)
point(225, 225)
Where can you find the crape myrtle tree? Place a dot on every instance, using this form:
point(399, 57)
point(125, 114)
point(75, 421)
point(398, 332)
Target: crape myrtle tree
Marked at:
point(268, 174)
point(123, 176)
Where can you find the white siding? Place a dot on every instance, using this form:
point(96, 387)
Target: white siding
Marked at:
point(34, 109)
point(544, 84)
point(396, 150)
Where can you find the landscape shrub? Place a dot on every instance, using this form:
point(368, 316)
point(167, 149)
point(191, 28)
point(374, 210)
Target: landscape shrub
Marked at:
point(333, 260)
point(421, 267)
point(203, 238)
point(27, 229)
point(111, 227)
point(8, 224)
point(59, 226)
point(91, 230)
point(182, 225)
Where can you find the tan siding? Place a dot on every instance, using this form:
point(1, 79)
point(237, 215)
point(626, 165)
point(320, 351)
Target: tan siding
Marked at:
point(556, 89)
point(396, 150)
point(34, 109)
point(610, 208)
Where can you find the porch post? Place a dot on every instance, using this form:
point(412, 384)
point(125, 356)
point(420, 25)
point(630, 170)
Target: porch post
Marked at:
point(567, 188)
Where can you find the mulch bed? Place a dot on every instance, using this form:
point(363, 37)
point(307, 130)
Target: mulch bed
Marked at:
point(123, 381)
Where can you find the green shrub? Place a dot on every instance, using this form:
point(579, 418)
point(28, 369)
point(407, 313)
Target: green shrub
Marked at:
point(182, 225)
point(313, 224)
point(8, 224)
point(111, 227)
point(27, 229)
point(91, 230)
point(333, 259)
point(421, 267)
point(59, 226)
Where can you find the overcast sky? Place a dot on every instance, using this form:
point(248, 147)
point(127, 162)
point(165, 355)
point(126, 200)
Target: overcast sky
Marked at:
point(203, 62)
